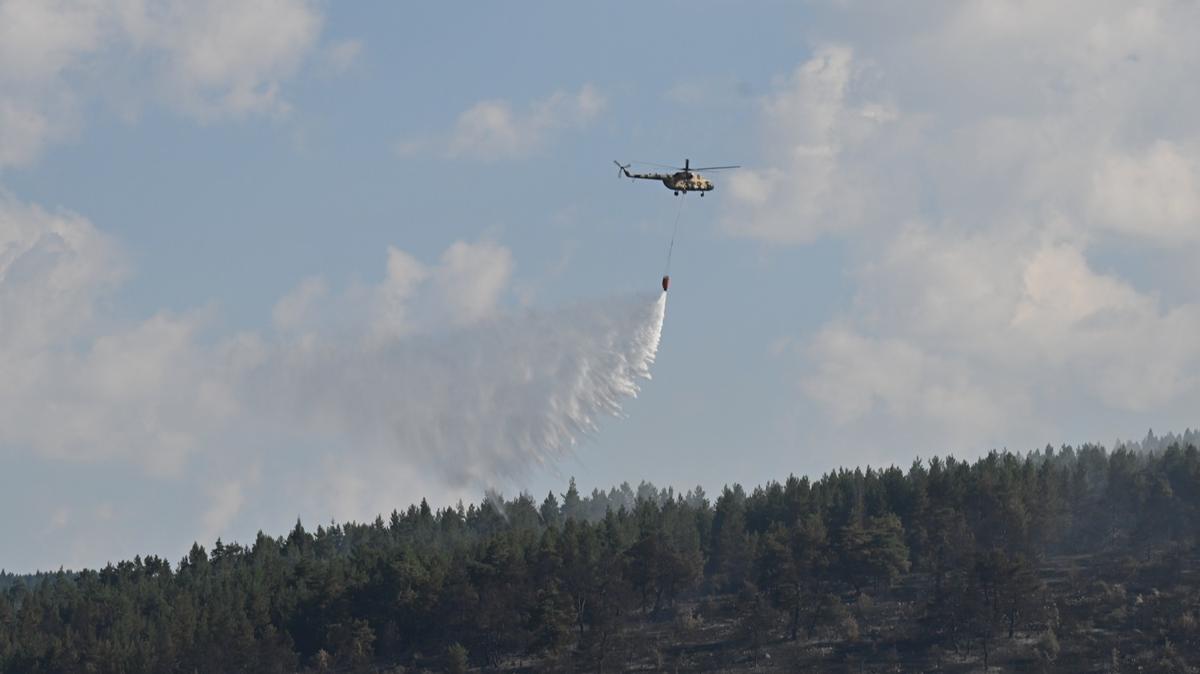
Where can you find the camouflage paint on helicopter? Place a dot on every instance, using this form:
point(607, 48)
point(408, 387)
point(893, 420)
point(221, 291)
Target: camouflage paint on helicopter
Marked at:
point(682, 180)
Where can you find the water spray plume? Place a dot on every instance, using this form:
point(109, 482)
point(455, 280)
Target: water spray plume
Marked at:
point(481, 402)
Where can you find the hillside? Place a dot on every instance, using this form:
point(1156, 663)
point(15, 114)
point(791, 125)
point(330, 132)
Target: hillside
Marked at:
point(1068, 560)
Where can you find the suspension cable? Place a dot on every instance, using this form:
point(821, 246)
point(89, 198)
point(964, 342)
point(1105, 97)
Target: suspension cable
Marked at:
point(674, 231)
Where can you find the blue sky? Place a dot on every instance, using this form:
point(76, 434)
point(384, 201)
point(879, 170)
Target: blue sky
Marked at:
point(960, 226)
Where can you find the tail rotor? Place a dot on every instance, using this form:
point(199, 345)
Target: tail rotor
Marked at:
point(622, 169)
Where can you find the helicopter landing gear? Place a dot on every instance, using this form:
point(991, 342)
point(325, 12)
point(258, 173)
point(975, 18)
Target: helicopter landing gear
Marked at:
point(676, 193)
point(701, 194)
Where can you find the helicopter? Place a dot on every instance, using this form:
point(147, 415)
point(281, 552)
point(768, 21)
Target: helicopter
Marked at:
point(683, 179)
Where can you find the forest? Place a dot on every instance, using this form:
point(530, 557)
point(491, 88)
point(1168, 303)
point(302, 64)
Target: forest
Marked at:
point(1069, 559)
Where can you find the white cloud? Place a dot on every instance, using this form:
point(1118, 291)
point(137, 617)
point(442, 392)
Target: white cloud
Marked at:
point(209, 59)
point(71, 375)
point(492, 130)
point(812, 183)
point(25, 130)
point(40, 44)
point(471, 278)
point(104, 512)
point(60, 518)
point(39, 39)
point(294, 311)
point(466, 285)
point(412, 147)
point(393, 297)
point(1154, 195)
point(859, 377)
point(342, 55)
point(224, 57)
point(980, 161)
point(54, 266)
point(954, 337)
point(80, 386)
point(226, 501)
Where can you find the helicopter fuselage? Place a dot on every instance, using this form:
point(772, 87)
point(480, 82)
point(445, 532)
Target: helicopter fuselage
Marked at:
point(680, 181)
point(684, 180)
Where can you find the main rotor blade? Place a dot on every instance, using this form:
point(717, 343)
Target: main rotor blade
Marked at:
point(650, 163)
point(712, 168)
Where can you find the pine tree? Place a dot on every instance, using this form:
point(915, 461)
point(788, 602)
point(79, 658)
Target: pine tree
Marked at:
point(550, 513)
point(572, 506)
